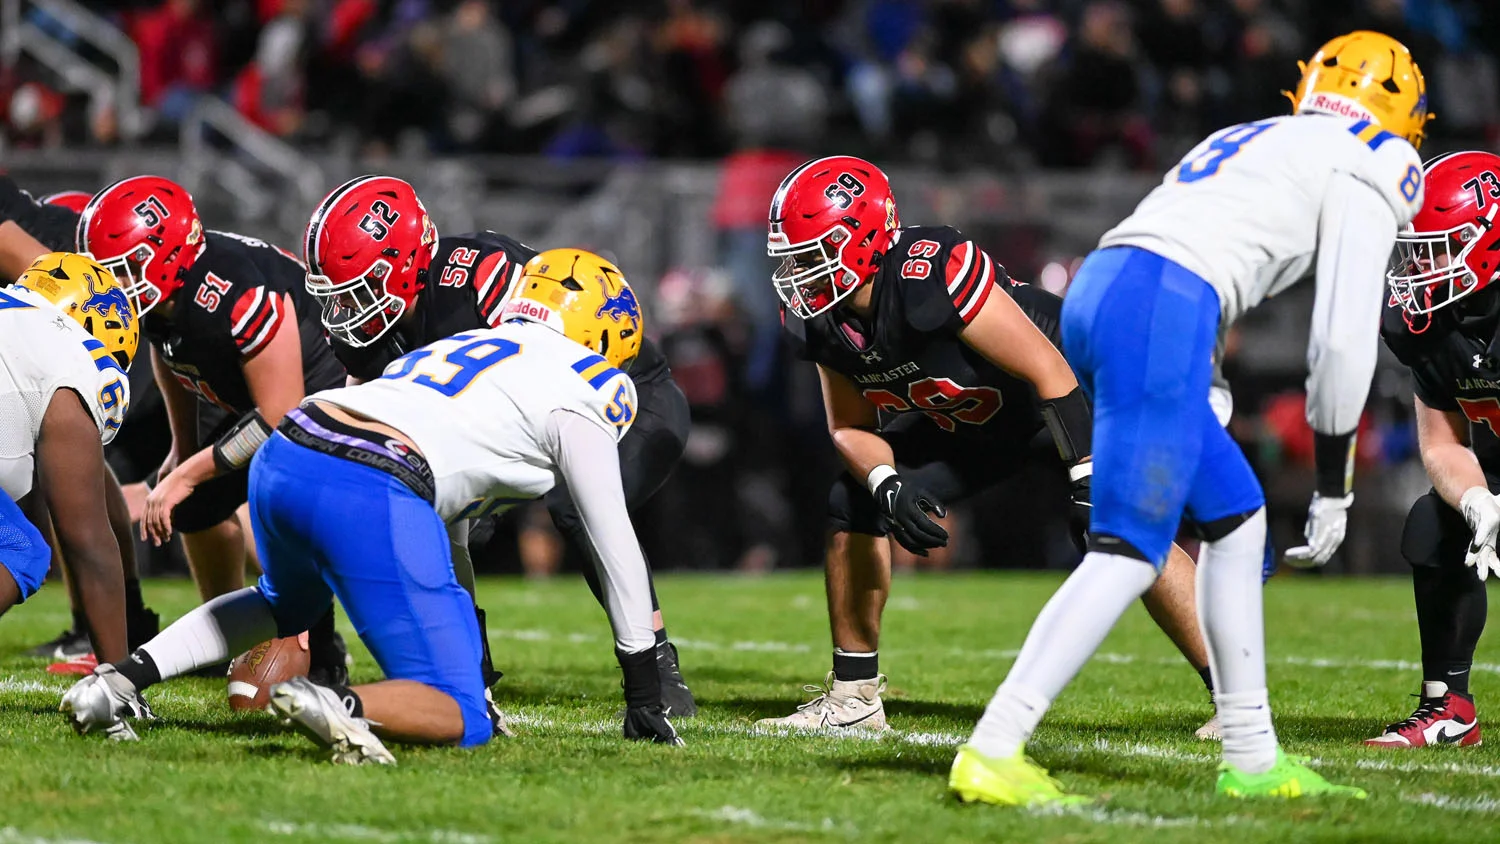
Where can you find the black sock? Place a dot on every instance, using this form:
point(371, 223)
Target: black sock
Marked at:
point(1208, 679)
point(321, 649)
point(80, 621)
point(140, 669)
point(134, 603)
point(352, 704)
point(1451, 609)
point(849, 667)
point(642, 682)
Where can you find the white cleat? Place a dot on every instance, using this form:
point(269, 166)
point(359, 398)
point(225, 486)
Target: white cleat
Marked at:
point(839, 705)
point(316, 712)
point(1212, 731)
point(102, 701)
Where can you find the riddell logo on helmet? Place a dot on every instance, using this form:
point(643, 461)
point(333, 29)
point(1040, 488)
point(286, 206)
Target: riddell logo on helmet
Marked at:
point(1335, 104)
point(528, 309)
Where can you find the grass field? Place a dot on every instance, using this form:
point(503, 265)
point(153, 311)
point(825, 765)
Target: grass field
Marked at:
point(1341, 655)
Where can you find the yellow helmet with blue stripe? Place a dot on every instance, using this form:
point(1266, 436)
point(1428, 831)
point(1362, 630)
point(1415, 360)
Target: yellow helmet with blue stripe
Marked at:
point(84, 290)
point(583, 296)
point(1366, 76)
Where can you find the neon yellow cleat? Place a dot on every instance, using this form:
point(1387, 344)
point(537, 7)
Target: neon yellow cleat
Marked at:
point(1289, 778)
point(1016, 781)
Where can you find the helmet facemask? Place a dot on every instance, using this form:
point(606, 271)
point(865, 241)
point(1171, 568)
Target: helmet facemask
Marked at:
point(1432, 268)
point(357, 312)
point(130, 271)
point(812, 276)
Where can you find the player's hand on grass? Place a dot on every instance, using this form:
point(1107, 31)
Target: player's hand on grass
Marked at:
point(905, 509)
point(1327, 519)
point(156, 521)
point(649, 723)
point(1482, 511)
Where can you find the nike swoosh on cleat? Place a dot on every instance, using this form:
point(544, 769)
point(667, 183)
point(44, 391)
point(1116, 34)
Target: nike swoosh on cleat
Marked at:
point(867, 716)
point(1445, 737)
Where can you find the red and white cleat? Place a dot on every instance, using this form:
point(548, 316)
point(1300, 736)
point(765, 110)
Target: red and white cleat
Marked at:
point(1443, 717)
point(79, 665)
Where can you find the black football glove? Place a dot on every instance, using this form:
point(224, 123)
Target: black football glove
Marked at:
point(904, 509)
point(1082, 493)
point(649, 723)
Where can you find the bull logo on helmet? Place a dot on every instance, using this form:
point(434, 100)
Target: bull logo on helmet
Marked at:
point(620, 306)
point(110, 296)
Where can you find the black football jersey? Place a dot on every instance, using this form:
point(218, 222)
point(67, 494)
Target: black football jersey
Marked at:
point(909, 357)
point(53, 226)
point(466, 287)
point(1452, 354)
point(232, 301)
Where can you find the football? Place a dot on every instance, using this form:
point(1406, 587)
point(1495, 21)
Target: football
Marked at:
point(253, 672)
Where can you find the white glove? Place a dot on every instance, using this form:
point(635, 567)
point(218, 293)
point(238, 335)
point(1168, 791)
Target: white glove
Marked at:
point(1482, 511)
point(1327, 519)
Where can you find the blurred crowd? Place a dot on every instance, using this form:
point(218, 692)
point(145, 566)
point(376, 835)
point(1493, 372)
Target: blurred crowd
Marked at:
point(1007, 83)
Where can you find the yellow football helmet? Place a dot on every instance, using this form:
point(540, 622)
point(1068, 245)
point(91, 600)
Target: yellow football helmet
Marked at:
point(586, 298)
point(84, 290)
point(1369, 76)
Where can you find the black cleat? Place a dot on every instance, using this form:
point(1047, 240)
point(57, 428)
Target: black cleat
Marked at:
point(329, 662)
point(69, 644)
point(649, 723)
point(676, 697)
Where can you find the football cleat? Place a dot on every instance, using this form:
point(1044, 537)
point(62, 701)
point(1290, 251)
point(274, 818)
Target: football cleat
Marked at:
point(317, 712)
point(79, 666)
point(1442, 717)
point(69, 644)
point(497, 718)
point(1289, 778)
point(839, 705)
point(676, 697)
point(649, 723)
point(1016, 781)
point(102, 701)
point(1212, 731)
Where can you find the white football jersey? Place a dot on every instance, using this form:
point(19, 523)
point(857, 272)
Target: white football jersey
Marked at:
point(42, 350)
point(476, 405)
point(1242, 209)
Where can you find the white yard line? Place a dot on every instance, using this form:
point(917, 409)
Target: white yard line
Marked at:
point(1449, 803)
point(357, 832)
point(11, 835)
point(740, 816)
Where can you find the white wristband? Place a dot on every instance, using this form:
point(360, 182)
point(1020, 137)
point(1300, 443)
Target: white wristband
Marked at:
point(878, 475)
point(1079, 471)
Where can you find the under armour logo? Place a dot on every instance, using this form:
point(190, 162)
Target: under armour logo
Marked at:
point(1481, 362)
point(872, 356)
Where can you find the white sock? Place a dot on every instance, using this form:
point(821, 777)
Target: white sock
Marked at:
point(1063, 637)
point(1230, 614)
point(214, 632)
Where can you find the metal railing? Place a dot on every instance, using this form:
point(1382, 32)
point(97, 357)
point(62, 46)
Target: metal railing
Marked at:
point(22, 35)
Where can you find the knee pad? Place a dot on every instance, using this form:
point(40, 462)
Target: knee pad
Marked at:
point(25, 555)
point(475, 708)
point(1435, 535)
point(1219, 528)
point(213, 502)
point(851, 509)
point(1105, 543)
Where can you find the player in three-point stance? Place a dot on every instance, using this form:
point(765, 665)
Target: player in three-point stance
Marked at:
point(235, 344)
point(67, 336)
point(940, 376)
point(1250, 211)
point(350, 496)
point(1443, 320)
point(388, 283)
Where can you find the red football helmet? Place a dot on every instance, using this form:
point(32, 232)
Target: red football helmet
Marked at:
point(73, 200)
point(368, 248)
point(1450, 249)
point(146, 231)
point(830, 220)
